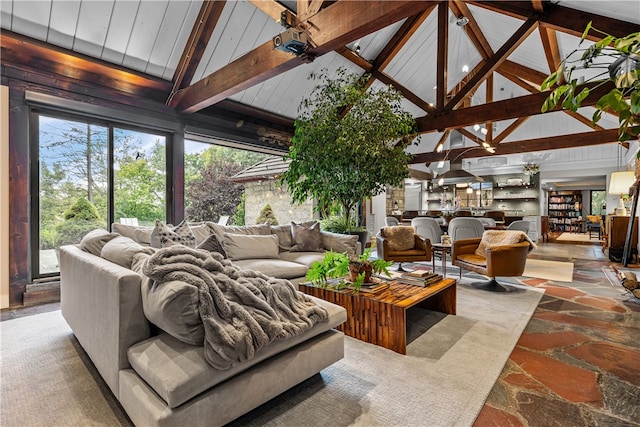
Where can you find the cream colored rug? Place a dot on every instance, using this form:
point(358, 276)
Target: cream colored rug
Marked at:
point(550, 270)
point(451, 366)
point(577, 237)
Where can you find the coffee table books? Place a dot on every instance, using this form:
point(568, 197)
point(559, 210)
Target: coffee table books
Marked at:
point(417, 278)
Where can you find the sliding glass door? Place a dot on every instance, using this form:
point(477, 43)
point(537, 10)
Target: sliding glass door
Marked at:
point(88, 175)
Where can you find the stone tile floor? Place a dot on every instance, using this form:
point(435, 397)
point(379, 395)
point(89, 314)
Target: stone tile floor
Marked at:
point(577, 362)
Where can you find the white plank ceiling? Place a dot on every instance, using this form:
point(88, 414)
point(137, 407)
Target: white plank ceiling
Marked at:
point(149, 36)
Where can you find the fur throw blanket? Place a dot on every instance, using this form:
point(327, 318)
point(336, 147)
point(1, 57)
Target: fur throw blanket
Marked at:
point(242, 310)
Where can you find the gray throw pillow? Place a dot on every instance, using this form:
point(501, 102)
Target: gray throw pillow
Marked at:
point(94, 241)
point(121, 250)
point(306, 238)
point(212, 244)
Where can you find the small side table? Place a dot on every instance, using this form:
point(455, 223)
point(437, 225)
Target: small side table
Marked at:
point(442, 250)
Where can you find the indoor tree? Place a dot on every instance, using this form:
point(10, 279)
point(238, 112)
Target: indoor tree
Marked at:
point(349, 143)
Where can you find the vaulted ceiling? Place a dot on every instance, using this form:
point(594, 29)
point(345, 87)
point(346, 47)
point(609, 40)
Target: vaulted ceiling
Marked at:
point(217, 57)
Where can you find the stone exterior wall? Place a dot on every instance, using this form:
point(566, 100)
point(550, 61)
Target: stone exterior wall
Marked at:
point(260, 193)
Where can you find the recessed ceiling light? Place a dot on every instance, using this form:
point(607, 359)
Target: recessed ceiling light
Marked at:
point(465, 68)
point(476, 127)
point(484, 131)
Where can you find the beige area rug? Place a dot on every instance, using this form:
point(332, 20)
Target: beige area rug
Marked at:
point(577, 237)
point(550, 270)
point(451, 366)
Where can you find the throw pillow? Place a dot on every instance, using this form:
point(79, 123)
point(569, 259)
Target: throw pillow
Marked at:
point(242, 246)
point(181, 234)
point(492, 238)
point(400, 238)
point(342, 243)
point(172, 306)
point(212, 244)
point(94, 241)
point(121, 250)
point(284, 236)
point(306, 238)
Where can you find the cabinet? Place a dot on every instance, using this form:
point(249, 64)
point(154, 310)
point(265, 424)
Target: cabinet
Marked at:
point(565, 208)
point(617, 231)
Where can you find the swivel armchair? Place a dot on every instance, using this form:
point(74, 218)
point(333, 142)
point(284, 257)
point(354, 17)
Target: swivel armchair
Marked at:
point(465, 228)
point(496, 253)
point(429, 228)
point(401, 244)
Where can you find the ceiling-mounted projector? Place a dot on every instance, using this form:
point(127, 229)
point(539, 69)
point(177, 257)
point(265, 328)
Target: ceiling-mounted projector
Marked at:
point(292, 41)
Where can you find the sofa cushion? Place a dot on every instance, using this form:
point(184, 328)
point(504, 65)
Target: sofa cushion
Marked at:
point(343, 243)
point(284, 236)
point(219, 230)
point(304, 258)
point(173, 307)
point(212, 244)
point(163, 234)
point(178, 371)
point(400, 238)
point(240, 246)
point(306, 238)
point(141, 236)
point(201, 232)
point(94, 241)
point(120, 250)
point(492, 238)
point(274, 267)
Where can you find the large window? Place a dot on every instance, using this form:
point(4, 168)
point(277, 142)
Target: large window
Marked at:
point(81, 189)
point(210, 191)
point(598, 202)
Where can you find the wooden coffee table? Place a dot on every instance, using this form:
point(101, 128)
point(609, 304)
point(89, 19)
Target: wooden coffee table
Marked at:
point(381, 318)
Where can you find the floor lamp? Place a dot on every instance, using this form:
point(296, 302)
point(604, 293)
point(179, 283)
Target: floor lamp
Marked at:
point(619, 184)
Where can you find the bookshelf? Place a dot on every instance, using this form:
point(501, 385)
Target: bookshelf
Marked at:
point(565, 208)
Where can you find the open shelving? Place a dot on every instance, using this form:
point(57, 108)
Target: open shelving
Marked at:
point(565, 208)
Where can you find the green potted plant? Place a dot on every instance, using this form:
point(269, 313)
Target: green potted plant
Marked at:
point(335, 265)
point(349, 143)
point(622, 63)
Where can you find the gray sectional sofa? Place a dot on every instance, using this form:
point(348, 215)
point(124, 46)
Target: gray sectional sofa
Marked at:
point(138, 334)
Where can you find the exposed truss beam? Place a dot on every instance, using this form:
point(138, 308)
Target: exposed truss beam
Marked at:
point(513, 108)
point(490, 65)
point(509, 130)
point(551, 49)
point(459, 9)
point(584, 139)
point(522, 71)
point(402, 36)
point(560, 18)
point(442, 63)
point(196, 44)
point(405, 92)
point(330, 29)
point(23, 51)
point(271, 8)
point(489, 99)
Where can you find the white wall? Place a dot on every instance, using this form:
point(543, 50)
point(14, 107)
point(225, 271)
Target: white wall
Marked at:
point(4, 196)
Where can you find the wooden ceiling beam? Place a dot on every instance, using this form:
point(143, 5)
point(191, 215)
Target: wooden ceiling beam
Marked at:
point(529, 74)
point(197, 43)
point(513, 108)
point(330, 29)
point(509, 130)
point(584, 139)
point(560, 18)
point(22, 51)
point(534, 89)
point(271, 8)
point(489, 99)
point(551, 49)
point(442, 62)
point(472, 29)
point(355, 58)
point(537, 5)
point(404, 91)
point(473, 137)
point(492, 64)
point(401, 37)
